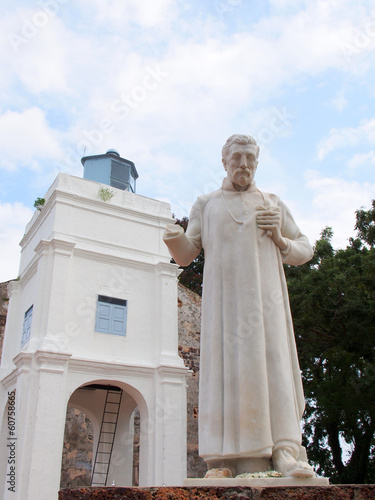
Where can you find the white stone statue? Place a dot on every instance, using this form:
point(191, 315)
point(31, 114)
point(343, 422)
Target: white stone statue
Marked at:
point(251, 397)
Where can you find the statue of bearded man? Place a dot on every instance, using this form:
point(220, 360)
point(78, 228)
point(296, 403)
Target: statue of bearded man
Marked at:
point(251, 397)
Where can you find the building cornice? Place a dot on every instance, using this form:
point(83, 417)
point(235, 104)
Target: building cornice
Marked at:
point(100, 367)
point(77, 200)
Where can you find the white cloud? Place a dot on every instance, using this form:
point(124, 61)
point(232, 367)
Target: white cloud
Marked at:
point(339, 102)
point(334, 203)
point(13, 220)
point(211, 75)
point(368, 128)
point(35, 50)
point(220, 80)
point(362, 159)
point(121, 14)
point(92, 69)
point(339, 138)
point(26, 138)
point(308, 38)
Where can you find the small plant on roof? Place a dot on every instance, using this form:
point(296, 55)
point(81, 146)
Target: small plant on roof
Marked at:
point(39, 203)
point(105, 194)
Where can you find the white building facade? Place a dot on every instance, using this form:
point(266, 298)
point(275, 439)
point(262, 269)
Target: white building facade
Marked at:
point(93, 318)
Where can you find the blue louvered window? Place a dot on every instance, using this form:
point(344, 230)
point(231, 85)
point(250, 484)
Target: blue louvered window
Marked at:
point(27, 325)
point(111, 315)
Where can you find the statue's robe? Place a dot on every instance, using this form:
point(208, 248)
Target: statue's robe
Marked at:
point(251, 397)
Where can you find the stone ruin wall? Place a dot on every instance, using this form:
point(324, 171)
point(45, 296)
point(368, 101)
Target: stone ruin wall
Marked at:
point(78, 440)
point(78, 450)
point(189, 327)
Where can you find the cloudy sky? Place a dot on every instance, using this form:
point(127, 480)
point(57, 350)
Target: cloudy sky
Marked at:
point(165, 82)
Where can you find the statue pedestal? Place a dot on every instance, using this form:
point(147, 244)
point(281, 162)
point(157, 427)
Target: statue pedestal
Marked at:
point(336, 492)
point(229, 482)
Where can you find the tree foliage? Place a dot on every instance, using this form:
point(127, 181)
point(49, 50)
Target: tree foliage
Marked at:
point(365, 225)
point(333, 307)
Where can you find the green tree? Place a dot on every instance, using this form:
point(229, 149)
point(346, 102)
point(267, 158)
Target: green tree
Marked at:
point(365, 225)
point(333, 307)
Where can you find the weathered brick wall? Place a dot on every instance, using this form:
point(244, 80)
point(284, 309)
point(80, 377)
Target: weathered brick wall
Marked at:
point(78, 452)
point(189, 327)
point(336, 492)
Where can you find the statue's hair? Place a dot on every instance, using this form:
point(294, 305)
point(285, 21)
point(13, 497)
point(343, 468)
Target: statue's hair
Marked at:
point(238, 139)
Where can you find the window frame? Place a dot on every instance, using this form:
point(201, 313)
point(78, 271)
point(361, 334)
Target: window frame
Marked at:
point(111, 315)
point(26, 326)
point(125, 181)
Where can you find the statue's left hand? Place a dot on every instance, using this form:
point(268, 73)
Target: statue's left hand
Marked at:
point(270, 221)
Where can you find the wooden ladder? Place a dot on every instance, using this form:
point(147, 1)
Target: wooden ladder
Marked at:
point(107, 435)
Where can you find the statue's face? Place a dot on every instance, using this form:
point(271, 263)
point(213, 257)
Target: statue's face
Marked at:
point(241, 164)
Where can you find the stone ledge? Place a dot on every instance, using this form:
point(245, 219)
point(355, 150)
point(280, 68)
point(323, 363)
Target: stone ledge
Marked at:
point(251, 482)
point(337, 492)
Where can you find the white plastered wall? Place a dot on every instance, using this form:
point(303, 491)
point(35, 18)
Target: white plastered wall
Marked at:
point(76, 248)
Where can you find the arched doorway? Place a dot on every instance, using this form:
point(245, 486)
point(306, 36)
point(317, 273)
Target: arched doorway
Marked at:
point(107, 422)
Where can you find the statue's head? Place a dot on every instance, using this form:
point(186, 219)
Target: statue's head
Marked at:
point(238, 139)
point(240, 159)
